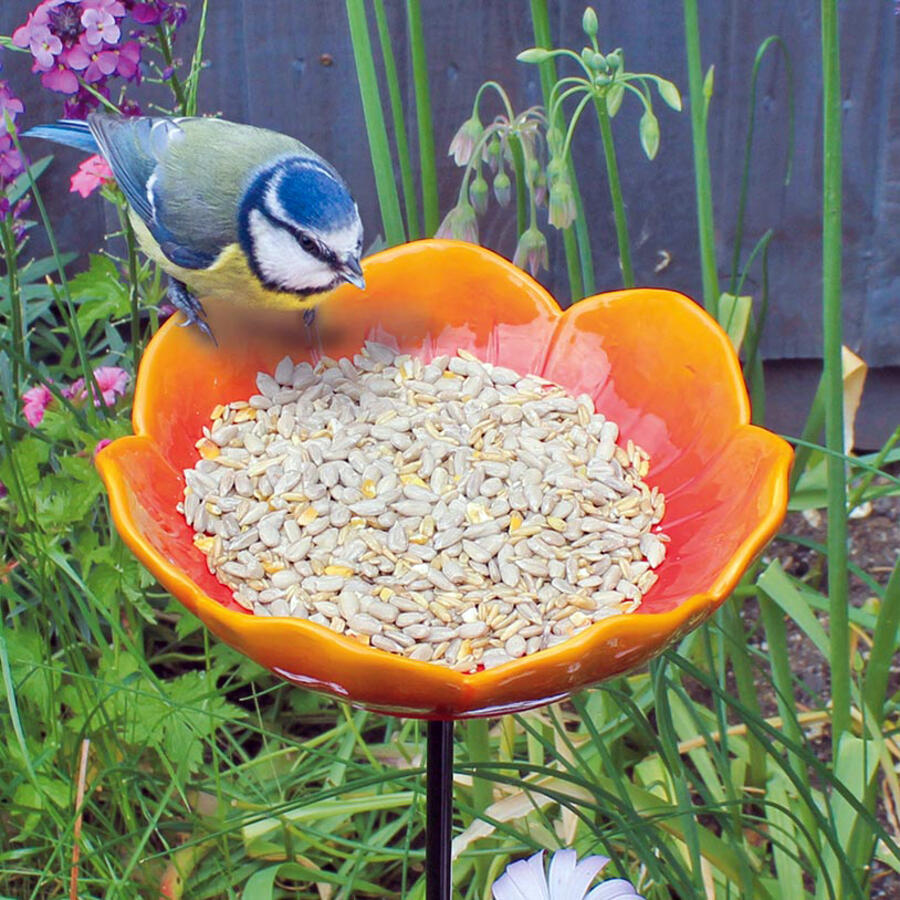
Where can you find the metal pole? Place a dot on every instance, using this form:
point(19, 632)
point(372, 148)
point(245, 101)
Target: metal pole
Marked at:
point(438, 811)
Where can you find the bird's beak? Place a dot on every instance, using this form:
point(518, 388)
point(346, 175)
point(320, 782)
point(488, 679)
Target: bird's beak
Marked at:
point(351, 271)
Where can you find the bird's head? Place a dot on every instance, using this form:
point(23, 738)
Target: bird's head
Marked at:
point(300, 229)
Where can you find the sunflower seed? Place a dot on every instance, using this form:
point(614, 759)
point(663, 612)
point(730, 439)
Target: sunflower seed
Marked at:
point(454, 512)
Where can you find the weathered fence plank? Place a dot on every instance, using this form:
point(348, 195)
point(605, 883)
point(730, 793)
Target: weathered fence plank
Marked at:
point(287, 64)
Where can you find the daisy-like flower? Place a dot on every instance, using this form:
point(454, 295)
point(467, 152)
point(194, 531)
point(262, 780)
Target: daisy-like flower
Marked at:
point(94, 172)
point(567, 879)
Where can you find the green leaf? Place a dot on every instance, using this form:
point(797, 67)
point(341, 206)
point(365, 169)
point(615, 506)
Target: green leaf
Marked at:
point(534, 55)
point(614, 97)
point(20, 186)
point(669, 93)
point(38, 270)
point(101, 292)
point(778, 585)
point(261, 885)
point(649, 128)
point(708, 83)
point(734, 316)
point(29, 454)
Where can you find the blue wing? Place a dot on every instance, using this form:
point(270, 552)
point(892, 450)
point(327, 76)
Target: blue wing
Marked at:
point(137, 150)
point(184, 178)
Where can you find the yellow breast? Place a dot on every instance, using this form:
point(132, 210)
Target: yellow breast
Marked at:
point(229, 278)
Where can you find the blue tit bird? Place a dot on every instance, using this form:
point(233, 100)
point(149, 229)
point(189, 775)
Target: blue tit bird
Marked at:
point(241, 213)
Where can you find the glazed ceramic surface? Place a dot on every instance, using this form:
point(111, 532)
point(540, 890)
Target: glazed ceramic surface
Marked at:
point(653, 361)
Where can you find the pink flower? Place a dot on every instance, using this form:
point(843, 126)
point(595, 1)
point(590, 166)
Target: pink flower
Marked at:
point(34, 401)
point(9, 102)
point(128, 59)
point(11, 163)
point(94, 172)
point(100, 27)
point(60, 79)
point(105, 442)
point(44, 46)
point(112, 381)
point(102, 64)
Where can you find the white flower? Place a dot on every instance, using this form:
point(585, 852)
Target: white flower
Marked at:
point(567, 879)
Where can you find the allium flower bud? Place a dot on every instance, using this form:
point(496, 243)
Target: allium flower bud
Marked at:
point(562, 210)
point(463, 143)
point(478, 194)
point(502, 187)
point(460, 223)
point(531, 252)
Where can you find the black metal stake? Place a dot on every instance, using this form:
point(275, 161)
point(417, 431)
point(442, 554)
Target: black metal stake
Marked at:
point(438, 810)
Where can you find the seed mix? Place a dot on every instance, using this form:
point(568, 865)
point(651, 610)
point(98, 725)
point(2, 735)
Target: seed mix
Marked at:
point(454, 512)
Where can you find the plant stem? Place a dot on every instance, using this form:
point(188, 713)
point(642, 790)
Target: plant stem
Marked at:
point(478, 748)
point(615, 192)
point(430, 209)
point(400, 138)
point(881, 656)
point(87, 373)
point(17, 313)
point(133, 292)
point(833, 375)
point(165, 47)
point(702, 179)
point(382, 164)
point(518, 155)
point(540, 21)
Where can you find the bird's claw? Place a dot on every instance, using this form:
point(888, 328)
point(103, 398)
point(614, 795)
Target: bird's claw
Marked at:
point(309, 317)
point(194, 314)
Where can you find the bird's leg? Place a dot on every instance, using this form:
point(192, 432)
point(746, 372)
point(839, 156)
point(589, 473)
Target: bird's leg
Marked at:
point(181, 298)
point(309, 316)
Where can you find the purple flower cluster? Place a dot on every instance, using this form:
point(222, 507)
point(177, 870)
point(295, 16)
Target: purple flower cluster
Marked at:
point(11, 162)
point(80, 43)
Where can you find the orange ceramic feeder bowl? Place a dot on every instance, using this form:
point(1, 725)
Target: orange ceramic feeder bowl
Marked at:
point(653, 361)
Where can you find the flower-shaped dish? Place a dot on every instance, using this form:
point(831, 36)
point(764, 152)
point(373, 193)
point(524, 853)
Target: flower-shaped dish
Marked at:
point(653, 361)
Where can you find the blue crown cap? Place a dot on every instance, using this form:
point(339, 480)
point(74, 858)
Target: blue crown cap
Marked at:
point(315, 196)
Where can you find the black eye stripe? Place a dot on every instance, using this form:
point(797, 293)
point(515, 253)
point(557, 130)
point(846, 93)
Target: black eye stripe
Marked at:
point(304, 239)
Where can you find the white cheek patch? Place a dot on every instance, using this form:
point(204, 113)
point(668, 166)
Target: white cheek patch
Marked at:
point(345, 241)
point(283, 261)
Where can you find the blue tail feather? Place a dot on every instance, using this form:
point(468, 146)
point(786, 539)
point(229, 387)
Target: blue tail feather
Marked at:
point(71, 132)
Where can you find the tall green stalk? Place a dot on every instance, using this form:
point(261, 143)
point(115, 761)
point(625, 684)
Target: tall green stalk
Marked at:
point(382, 164)
point(393, 84)
point(702, 179)
point(427, 164)
point(615, 192)
point(17, 313)
point(833, 375)
point(573, 239)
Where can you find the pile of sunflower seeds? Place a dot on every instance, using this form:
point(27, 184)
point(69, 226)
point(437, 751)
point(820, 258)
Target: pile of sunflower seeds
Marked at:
point(454, 512)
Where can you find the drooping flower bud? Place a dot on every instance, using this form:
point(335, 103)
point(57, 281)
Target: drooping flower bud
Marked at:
point(531, 251)
point(478, 194)
point(561, 211)
point(463, 143)
point(502, 187)
point(460, 224)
